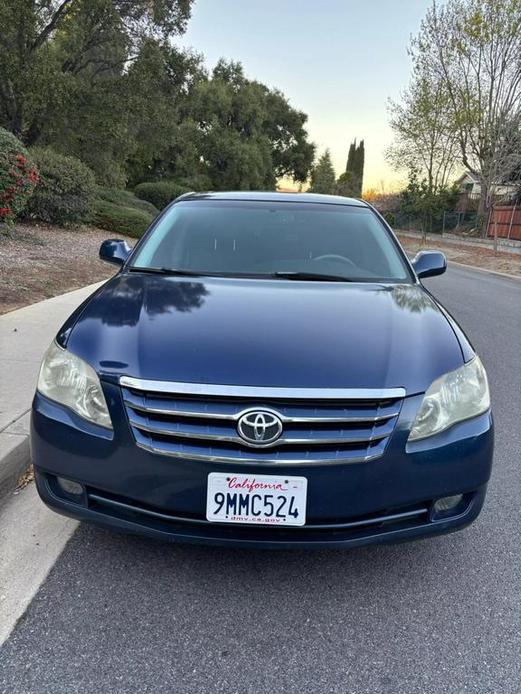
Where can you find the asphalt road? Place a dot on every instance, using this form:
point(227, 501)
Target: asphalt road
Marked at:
point(123, 614)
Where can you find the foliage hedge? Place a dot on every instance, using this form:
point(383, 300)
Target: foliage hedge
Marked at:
point(160, 193)
point(119, 219)
point(65, 191)
point(125, 198)
point(18, 176)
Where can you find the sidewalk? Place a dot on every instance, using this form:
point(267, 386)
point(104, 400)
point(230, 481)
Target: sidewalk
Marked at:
point(506, 245)
point(25, 334)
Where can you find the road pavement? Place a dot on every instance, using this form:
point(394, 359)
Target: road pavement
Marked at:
point(123, 614)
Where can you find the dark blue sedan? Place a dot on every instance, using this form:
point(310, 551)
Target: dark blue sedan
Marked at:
point(265, 370)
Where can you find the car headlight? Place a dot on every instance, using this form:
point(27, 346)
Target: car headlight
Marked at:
point(67, 379)
point(454, 397)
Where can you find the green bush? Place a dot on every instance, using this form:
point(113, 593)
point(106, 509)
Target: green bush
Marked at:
point(65, 191)
point(18, 176)
point(118, 219)
point(124, 198)
point(160, 193)
point(389, 218)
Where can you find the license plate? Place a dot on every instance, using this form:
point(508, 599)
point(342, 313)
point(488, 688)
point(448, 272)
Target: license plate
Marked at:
point(256, 499)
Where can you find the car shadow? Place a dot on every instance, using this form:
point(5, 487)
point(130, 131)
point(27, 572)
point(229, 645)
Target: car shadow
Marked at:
point(316, 568)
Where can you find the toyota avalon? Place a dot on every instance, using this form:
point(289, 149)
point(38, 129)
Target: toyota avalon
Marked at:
point(264, 370)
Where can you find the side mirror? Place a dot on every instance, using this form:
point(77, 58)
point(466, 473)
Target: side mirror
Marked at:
point(114, 251)
point(429, 264)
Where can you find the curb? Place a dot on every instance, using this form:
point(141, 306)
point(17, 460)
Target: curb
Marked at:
point(15, 455)
point(13, 463)
point(489, 272)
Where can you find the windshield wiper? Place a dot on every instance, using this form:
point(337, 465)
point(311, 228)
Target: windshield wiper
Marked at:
point(311, 276)
point(289, 275)
point(165, 271)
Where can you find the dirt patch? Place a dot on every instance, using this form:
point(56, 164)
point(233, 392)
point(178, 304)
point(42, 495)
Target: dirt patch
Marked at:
point(510, 263)
point(38, 262)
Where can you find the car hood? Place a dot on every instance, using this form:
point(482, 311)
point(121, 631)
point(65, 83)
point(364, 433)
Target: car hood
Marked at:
point(265, 333)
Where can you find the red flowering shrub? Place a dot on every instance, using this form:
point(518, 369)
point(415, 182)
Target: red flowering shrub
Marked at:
point(18, 176)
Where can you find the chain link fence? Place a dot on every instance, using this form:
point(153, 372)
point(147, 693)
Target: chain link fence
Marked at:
point(453, 222)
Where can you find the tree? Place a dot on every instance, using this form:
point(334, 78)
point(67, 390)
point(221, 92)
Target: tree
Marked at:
point(45, 43)
point(160, 87)
point(344, 185)
point(323, 178)
point(292, 153)
point(351, 156)
point(228, 112)
point(473, 48)
point(351, 181)
point(248, 135)
point(424, 204)
point(425, 136)
point(359, 168)
point(101, 80)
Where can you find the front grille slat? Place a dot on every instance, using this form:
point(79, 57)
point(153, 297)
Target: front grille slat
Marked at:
point(292, 437)
point(230, 411)
point(317, 431)
point(254, 455)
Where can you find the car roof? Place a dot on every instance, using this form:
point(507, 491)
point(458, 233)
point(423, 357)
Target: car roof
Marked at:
point(260, 196)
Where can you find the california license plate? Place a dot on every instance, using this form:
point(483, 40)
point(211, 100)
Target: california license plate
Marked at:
point(256, 499)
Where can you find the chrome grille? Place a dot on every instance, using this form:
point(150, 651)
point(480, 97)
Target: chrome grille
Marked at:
point(197, 422)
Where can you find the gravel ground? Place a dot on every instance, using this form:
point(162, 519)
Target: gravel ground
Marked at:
point(37, 262)
point(510, 263)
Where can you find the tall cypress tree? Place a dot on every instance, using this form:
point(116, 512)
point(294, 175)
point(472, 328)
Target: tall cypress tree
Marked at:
point(351, 157)
point(360, 161)
point(350, 182)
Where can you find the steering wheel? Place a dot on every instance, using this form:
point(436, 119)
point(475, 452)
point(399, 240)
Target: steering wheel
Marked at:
point(334, 256)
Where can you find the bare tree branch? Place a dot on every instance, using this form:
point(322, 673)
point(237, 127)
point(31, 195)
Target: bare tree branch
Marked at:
point(474, 48)
point(51, 26)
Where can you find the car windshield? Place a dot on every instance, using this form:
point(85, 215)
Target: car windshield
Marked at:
point(272, 239)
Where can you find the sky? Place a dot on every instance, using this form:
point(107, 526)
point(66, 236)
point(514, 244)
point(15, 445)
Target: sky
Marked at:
point(337, 60)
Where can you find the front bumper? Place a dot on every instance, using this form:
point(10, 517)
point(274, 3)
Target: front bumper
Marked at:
point(384, 500)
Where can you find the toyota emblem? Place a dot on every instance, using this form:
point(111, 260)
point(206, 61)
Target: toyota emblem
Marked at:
point(259, 427)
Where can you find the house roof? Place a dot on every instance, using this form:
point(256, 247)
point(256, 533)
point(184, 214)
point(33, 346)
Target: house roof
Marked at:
point(468, 174)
